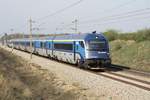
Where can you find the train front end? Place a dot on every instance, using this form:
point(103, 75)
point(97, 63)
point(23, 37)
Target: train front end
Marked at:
point(97, 51)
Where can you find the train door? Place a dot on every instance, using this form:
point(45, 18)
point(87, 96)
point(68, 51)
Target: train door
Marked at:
point(74, 51)
point(36, 47)
point(52, 46)
point(71, 52)
point(44, 48)
point(40, 49)
point(80, 50)
point(49, 50)
point(33, 46)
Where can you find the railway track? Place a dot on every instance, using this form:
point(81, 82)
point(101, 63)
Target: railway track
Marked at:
point(126, 79)
point(128, 70)
point(117, 77)
point(121, 78)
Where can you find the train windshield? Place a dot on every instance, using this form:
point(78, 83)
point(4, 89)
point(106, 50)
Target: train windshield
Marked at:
point(96, 45)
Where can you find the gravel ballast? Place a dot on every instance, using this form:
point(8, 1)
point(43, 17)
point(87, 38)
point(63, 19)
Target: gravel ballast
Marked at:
point(95, 86)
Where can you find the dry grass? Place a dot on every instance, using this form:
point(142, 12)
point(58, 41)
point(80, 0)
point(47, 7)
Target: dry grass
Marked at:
point(20, 80)
point(132, 54)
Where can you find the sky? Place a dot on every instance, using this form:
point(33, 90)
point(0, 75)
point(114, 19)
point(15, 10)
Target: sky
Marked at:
point(91, 15)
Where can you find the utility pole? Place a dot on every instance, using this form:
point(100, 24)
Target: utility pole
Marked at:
point(22, 35)
point(30, 26)
point(12, 46)
point(12, 31)
point(75, 25)
point(75, 22)
point(5, 39)
point(2, 38)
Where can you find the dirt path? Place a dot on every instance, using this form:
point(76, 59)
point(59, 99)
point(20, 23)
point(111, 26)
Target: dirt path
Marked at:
point(20, 80)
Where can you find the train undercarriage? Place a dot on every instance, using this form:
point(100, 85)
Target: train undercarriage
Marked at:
point(94, 63)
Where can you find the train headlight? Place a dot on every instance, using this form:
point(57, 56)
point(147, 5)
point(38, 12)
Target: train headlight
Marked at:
point(108, 54)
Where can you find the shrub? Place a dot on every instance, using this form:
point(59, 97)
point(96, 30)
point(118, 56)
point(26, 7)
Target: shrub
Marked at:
point(111, 35)
point(142, 35)
point(138, 36)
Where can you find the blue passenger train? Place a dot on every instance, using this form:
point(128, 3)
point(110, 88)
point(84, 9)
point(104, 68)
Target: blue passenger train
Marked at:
point(86, 50)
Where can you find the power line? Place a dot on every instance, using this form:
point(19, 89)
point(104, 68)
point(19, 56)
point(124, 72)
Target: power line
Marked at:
point(56, 12)
point(119, 16)
point(21, 27)
point(114, 21)
point(133, 13)
point(30, 29)
point(138, 12)
point(115, 18)
point(61, 10)
point(117, 7)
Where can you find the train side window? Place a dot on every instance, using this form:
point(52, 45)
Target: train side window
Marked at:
point(49, 45)
point(45, 46)
point(41, 45)
point(60, 46)
point(77, 47)
point(81, 43)
point(28, 44)
point(32, 44)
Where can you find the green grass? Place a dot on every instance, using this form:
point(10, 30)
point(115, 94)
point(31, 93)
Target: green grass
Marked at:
point(135, 55)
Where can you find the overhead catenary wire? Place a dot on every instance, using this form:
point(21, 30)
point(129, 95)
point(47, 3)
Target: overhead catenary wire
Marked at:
point(130, 13)
point(73, 4)
point(106, 18)
point(61, 10)
point(108, 10)
point(133, 13)
point(116, 7)
point(117, 21)
point(52, 14)
point(56, 12)
point(119, 6)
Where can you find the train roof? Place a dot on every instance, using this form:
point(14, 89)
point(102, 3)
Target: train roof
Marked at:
point(81, 36)
point(37, 38)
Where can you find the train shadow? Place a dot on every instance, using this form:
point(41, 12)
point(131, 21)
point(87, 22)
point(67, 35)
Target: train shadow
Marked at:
point(112, 68)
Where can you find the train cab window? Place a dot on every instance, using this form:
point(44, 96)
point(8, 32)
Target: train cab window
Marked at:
point(81, 43)
point(96, 45)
